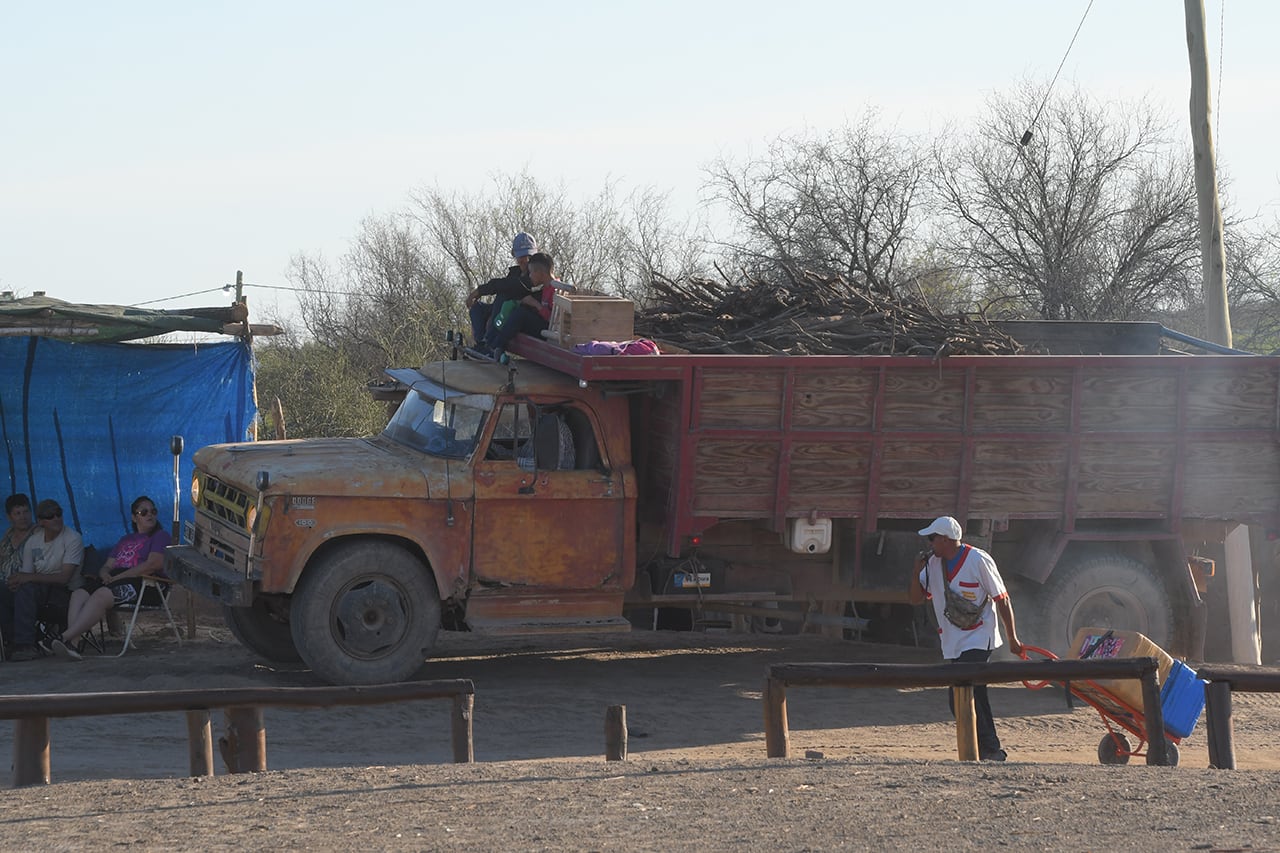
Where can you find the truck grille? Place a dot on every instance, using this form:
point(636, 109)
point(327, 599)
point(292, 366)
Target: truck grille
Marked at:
point(225, 502)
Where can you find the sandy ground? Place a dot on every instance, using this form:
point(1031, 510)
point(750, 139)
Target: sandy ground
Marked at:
point(880, 773)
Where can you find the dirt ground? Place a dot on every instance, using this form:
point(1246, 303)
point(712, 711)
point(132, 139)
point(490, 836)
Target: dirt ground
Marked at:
point(871, 769)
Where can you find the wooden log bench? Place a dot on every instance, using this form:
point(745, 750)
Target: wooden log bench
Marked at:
point(961, 678)
point(1223, 680)
point(245, 748)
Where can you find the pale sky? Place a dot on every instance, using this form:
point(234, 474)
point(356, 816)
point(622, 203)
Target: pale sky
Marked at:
point(150, 149)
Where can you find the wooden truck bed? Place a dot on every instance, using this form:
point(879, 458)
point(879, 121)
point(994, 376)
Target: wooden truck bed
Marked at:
point(1067, 438)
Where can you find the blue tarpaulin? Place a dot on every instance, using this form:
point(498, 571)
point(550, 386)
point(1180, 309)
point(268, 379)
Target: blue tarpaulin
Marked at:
point(89, 425)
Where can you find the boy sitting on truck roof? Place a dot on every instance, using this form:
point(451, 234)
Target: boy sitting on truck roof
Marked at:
point(533, 313)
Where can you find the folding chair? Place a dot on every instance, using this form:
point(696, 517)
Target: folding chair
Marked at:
point(162, 587)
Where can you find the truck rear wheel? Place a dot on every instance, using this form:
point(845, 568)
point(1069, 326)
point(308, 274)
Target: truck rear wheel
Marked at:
point(261, 631)
point(365, 613)
point(1108, 591)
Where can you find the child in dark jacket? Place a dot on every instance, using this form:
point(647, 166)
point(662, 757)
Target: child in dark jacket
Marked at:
point(532, 313)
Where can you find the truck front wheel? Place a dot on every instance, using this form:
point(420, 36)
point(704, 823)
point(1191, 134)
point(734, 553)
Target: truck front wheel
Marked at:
point(365, 613)
point(1109, 591)
point(261, 631)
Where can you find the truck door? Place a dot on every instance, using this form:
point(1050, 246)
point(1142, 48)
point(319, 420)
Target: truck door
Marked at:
point(547, 514)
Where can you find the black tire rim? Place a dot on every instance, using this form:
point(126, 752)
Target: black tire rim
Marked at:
point(370, 617)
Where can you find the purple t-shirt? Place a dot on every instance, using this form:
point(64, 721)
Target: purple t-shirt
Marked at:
point(134, 548)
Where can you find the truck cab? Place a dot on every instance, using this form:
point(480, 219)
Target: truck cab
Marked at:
point(497, 499)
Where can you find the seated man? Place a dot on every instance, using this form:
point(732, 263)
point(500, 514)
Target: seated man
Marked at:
point(18, 509)
point(51, 561)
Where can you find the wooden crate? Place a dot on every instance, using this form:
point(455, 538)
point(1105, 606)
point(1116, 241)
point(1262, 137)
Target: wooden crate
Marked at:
point(577, 319)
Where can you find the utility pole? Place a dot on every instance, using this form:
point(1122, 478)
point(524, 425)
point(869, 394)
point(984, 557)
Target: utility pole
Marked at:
point(1242, 590)
point(1212, 255)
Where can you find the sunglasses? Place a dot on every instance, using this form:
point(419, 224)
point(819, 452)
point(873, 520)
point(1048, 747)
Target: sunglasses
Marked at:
point(50, 517)
point(145, 512)
point(932, 536)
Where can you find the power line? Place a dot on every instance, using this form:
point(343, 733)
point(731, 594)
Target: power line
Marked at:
point(179, 296)
point(1026, 137)
point(226, 288)
point(294, 289)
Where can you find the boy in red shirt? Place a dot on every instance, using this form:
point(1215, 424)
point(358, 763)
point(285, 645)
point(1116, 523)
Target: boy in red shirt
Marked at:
point(533, 313)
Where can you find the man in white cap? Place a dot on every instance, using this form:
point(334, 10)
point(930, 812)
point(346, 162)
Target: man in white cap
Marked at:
point(967, 593)
point(513, 287)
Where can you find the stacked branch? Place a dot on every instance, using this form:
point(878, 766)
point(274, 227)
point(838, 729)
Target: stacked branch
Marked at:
point(809, 315)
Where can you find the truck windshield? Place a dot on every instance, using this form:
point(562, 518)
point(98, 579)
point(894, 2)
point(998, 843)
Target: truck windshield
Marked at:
point(435, 427)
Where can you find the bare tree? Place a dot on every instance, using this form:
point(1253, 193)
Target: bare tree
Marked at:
point(844, 203)
point(1093, 218)
point(391, 298)
point(600, 244)
point(1253, 285)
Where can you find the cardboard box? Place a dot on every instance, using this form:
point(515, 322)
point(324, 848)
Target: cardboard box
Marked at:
point(1089, 644)
point(1181, 700)
point(577, 319)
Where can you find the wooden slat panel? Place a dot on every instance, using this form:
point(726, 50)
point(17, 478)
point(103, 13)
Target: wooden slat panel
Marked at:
point(1231, 397)
point(1137, 399)
point(1031, 401)
point(1015, 478)
point(738, 399)
point(923, 400)
point(829, 476)
point(1125, 478)
point(1222, 479)
point(735, 478)
point(831, 399)
point(919, 479)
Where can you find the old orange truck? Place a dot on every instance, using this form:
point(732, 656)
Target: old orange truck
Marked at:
point(554, 493)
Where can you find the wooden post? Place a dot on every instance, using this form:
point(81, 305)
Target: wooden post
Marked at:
point(463, 748)
point(776, 737)
point(1217, 319)
point(1217, 721)
point(200, 743)
point(1157, 746)
point(615, 733)
point(1242, 591)
point(244, 747)
point(966, 722)
point(31, 751)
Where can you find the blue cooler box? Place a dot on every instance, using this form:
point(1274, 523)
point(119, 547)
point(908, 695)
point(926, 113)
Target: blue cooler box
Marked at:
point(1181, 699)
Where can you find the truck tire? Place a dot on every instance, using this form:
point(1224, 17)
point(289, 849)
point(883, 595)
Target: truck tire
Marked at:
point(365, 613)
point(262, 632)
point(1109, 591)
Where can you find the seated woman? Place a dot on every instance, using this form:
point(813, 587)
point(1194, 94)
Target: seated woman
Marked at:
point(138, 554)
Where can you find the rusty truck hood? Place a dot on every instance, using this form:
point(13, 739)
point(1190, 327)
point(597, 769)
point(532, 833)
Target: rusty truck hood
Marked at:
point(320, 466)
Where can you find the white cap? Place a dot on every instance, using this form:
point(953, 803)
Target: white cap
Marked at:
point(944, 526)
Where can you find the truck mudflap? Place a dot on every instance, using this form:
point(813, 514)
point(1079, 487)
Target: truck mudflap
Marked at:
point(207, 577)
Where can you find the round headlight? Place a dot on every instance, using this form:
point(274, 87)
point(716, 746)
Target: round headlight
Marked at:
point(195, 491)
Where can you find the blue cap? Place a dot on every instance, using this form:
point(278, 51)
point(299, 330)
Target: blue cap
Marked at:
point(523, 246)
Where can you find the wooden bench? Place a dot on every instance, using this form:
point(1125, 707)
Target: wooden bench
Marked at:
point(245, 747)
point(961, 677)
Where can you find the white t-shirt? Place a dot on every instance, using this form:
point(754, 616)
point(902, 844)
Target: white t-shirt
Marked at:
point(48, 558)
point(973, 574)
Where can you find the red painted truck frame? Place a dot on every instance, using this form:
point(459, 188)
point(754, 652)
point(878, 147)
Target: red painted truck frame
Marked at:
point(1040, 456)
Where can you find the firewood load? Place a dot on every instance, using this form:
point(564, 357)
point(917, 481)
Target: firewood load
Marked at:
point(810, 315)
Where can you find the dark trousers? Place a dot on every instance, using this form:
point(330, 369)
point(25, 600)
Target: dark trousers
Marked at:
point(988, 740)
point(20, 608)
point(521, 319)
point(480, 313)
